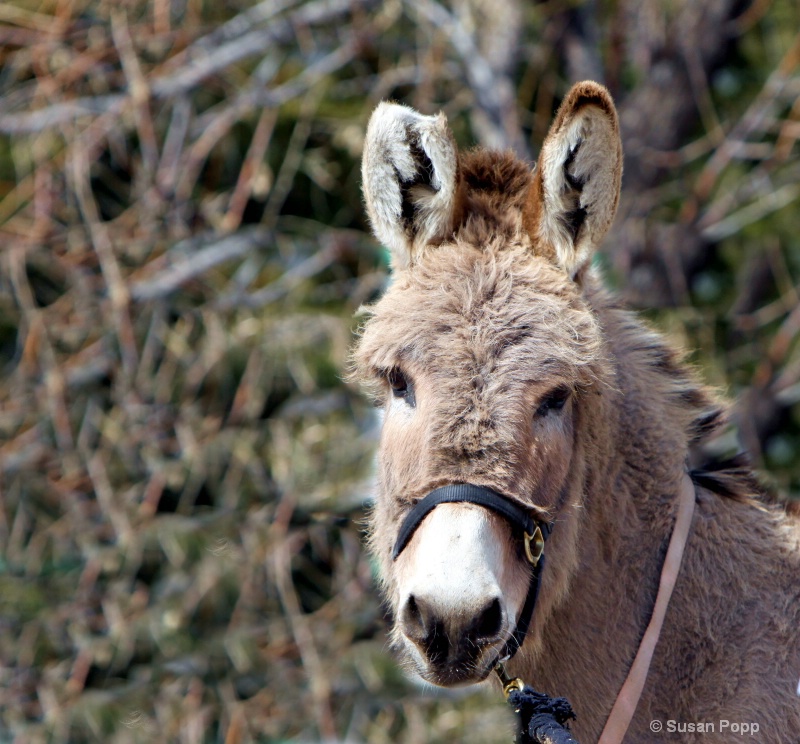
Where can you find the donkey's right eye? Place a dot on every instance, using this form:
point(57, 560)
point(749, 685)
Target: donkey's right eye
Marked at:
point(554, 401)
point(401, 386)
point(398, 383)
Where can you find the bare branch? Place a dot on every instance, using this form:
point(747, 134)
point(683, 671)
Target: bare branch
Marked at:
point(188, 260)
point(770, 202)
point(498, 126)
point(290, 279)
point(201, 65)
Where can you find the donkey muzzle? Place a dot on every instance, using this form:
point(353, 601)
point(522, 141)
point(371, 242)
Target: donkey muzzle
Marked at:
point(441, 640)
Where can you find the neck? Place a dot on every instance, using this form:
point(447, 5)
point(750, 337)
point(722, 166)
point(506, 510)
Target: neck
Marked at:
point(614, 600)
point(628, 512)
point(608, 549)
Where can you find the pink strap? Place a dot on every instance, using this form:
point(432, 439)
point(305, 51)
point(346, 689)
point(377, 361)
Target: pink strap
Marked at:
point(625, 706)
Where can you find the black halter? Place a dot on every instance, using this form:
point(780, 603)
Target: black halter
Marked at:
point(534, 533)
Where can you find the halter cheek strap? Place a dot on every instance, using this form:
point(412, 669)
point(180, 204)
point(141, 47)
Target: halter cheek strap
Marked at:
point(533, 534)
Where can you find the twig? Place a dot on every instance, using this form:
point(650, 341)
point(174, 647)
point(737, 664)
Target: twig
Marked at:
point(202, 65)
point(760, 184)
point(499, 127)
point(257, 96)
point(59, 113)
point(243, 22)
point(45, 356)
point(702, 94)
point(189, 261)
point(770, 202)
point(139, 92)
point(37, 21)
point(247, 174)
point(212, 126)
point(167, 173)
point(292, 158)
point(117, 288)
point(253, 41)
point(286, 283)
point(300, 627)
point(762, 108)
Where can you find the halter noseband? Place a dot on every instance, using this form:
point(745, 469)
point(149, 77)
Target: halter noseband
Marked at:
point(534, 533)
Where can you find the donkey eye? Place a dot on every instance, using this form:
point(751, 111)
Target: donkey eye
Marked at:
point(401, 386)
point(553, 401)
point(398, 383)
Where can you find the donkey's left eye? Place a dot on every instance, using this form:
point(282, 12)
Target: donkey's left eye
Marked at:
point(553, 401)
point(401, 386)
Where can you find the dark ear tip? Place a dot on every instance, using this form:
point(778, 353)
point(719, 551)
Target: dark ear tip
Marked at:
point(588, 93)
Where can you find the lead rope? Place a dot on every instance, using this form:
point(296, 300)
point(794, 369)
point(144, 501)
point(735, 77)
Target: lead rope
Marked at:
point(543, 718)
point(628, 698)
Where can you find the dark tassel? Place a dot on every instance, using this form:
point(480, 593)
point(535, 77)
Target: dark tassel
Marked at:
point(542, 719)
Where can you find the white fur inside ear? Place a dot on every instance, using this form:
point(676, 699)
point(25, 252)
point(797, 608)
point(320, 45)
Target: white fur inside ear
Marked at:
point(409, 178)
point(581, 166)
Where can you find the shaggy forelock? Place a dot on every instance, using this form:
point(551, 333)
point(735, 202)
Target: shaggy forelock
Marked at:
point(483, 312)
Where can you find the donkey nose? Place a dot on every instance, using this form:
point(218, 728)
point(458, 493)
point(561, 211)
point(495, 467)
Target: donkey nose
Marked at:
point(444, 634)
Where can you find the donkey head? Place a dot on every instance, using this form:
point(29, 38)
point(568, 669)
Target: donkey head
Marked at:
point(489, 366)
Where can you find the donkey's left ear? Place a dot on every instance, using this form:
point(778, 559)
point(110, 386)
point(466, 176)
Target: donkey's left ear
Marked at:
point(409, 172)
point(576, 186)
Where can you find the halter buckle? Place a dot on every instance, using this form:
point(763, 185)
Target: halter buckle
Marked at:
point(534, 545)
point(510, 684)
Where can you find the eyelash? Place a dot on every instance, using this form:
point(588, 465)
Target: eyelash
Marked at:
point(555, 400)
point(401, 386)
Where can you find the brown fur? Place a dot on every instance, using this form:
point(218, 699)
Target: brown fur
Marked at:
point(485, 323)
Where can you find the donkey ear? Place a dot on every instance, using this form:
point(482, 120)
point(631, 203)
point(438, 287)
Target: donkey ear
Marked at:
point(409, 171)
point(576, 187)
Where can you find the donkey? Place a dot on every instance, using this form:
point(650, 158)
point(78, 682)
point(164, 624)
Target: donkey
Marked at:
point(501, 363)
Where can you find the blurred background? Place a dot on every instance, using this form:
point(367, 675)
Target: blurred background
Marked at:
point(183, 474)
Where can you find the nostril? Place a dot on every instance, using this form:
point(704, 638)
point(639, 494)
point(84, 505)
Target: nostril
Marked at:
point(489, 622)
point(443, 633)
point(421, 625)
point(413, 619)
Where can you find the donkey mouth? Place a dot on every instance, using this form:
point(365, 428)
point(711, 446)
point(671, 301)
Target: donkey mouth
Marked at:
point(457, 665)
point(457, 679)
point(456, 674)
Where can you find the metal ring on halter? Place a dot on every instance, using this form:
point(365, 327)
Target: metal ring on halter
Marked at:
point(534, 545)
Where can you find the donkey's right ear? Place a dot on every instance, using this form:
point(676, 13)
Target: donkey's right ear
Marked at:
point(410, 176)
